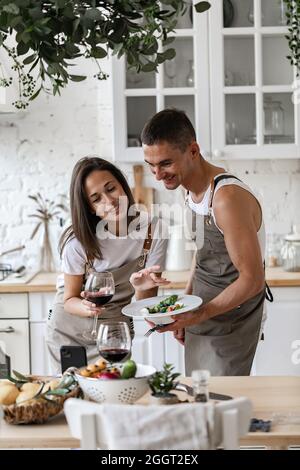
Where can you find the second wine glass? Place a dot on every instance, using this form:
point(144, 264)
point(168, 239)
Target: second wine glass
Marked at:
point(114, 341)
point(99, 289)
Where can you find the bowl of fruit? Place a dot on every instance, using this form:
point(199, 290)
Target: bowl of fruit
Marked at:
point(33, 399)
point(114, 383)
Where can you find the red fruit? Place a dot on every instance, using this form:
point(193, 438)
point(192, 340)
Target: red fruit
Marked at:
point(108, 375)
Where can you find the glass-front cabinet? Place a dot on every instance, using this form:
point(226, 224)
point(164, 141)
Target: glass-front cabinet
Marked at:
point(230, 75)
point(253, 114)
point(182, 82)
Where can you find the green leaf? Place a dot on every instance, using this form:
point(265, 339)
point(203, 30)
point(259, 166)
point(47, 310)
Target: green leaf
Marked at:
point(98, 52)
point(58, 391)
point(169, 54)
point(29, 59)
point(93, 14)
point(77, 78)
point(32, 98)
point(11, 8)
point(20, 376)
point(22, 48)
point(201, 7)
point(149, 67)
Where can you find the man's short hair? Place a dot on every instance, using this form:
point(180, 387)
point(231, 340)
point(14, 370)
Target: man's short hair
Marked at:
point(170, 125)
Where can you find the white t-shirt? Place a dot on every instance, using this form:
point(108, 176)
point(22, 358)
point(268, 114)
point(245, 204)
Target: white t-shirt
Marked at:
point(202, 208)
point(117, 251)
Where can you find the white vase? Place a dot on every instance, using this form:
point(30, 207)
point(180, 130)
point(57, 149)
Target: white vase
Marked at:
point(180, 252)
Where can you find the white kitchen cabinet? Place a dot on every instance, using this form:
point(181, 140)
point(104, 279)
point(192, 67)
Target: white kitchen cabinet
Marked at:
point(158, 348)
point(39, 357)
point(14, 340)
point(39, 305)
point(234, 83)
point(279, 353)
point(13, 306)
point(252, 110)
point(148, 350)
point(14, 331)
point(182, 83)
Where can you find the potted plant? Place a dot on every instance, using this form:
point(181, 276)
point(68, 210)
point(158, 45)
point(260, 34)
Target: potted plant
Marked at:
point(161, 383)
point(45, 37)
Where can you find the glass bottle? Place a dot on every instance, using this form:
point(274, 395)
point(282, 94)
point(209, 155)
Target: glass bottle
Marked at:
point(274, 117)
point(190, 80)
point(200, 380)
point(282, 13)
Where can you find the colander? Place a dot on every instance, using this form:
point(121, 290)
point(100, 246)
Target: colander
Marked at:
point(117, 390)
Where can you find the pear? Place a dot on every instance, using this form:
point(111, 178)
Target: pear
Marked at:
point(8, 394)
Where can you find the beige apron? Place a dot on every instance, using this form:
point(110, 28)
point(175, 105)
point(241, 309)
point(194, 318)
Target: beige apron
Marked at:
point(65, 329)
point(225, 344)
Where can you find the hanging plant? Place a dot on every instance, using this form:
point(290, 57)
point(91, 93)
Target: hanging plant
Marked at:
point(49, 35)
point(293, 23)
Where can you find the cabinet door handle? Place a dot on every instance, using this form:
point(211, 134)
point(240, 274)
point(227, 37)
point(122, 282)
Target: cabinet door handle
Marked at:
point(9, 329)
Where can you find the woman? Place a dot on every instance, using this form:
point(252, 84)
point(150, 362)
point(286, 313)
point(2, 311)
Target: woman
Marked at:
point(104, 236)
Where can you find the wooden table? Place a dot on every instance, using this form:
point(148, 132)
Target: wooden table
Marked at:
point(269, 395)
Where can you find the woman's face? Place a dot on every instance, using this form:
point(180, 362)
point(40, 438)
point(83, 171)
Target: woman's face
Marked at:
point(106, 195)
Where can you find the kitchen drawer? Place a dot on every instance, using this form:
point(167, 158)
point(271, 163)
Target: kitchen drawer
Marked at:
point(14, 340)
point(13, 306)
point(39, 305)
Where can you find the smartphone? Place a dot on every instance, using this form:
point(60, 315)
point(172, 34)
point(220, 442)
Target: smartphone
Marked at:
point(72, 356)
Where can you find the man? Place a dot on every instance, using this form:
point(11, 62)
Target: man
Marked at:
point(228, 272)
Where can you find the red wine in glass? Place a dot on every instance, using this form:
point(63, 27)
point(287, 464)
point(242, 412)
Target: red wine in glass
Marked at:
point(114, 341)
point(114, 354)
point(98, 298)
point(99, 289)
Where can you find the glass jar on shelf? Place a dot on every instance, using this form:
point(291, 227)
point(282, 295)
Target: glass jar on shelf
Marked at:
point(273, 256)
point(290, 251)
point(190, 79)
point(274, 117)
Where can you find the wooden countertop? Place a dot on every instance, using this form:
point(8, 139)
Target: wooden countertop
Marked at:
point(269, 395)
point(46, 282)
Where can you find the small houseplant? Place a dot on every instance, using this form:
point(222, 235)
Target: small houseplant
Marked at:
point(161, 383)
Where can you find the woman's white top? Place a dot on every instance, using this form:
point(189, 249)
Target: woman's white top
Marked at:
point(117, 251)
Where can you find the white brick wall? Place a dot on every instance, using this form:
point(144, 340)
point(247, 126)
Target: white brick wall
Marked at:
point(38, 149)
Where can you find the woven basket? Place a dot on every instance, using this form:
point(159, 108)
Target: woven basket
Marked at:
point(37, 411)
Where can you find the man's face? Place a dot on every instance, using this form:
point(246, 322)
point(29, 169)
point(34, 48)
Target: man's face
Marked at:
point(168, 163)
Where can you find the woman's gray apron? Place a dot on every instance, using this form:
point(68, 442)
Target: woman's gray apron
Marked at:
point(225, 344)
point(66, 329)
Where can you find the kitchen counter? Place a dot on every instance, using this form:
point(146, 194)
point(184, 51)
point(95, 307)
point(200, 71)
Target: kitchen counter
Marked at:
point(269, 395)
point(46, 282)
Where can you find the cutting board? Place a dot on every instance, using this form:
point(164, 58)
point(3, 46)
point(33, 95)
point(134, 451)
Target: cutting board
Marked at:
point(141, 194)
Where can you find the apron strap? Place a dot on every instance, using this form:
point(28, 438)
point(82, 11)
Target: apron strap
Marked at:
point(269, 295)
point(214, 183)
point(148, 242)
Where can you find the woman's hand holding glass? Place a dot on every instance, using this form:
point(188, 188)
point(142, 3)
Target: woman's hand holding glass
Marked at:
point(99, 289)
point(89, 308)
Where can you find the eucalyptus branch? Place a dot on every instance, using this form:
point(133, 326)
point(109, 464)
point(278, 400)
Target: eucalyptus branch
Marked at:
point(51, 34)
point(293, 23)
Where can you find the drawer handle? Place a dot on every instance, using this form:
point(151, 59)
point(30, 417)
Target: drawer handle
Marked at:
point(9, 329)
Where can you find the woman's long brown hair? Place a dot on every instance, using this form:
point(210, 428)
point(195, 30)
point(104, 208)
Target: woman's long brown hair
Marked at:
point(84, 222)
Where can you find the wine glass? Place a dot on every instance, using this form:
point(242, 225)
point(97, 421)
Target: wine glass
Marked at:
point(99, 289)
point(114, 341)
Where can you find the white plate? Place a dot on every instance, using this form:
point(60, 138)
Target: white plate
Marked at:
point(191, 302)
